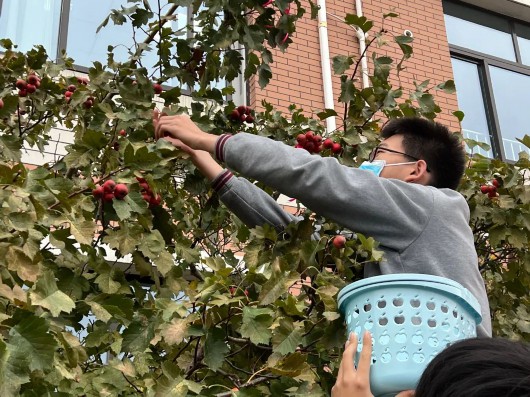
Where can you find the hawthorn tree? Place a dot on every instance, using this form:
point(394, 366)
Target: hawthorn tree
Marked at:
point(185, 299)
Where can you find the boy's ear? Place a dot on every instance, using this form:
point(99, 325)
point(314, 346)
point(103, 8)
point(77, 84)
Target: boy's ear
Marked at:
point(418, 173)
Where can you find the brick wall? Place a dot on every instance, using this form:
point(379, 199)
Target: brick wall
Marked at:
point(297, 74)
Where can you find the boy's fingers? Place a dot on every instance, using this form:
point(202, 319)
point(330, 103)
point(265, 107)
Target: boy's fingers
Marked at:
point(365, 360)
point(348, 368)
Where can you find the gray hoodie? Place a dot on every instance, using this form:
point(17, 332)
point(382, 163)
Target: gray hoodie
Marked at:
point(421, 229)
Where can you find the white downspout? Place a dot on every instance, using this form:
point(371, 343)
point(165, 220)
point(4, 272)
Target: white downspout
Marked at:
point(362, 46)
point(329, 102)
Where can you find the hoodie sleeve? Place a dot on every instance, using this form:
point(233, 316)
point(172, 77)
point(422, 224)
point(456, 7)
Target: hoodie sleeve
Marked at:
point(391, 211)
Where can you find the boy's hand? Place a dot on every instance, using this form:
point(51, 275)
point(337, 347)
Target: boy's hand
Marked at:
point(353, 382)
point(181, 127)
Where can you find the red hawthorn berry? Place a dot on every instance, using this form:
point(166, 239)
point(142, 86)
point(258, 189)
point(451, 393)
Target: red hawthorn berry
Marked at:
point(248, 110)
point(242, 109)
point(1, 103)
point(88, 104)
point(122, 132)
point(298, 146)
point(30, 88)
point(68, 94)
point(301, 138)
point(246, 292)
point(116, 146)
point(310, 147)
point(153, 202)
point(33, 79)
point(232, 290)
point(107, 197)
point(317, 139)
point(158, 88)
point(22, 93)
point(21, 84)
point(249, 119)
point(336, 148)
point(146, 196)
point(339, 242)
point(484, 189)
point(98, 192)
point(495, 182)
point(120, 191)
point(243, 118)
point(309, 135)
point(328, 143)
point(318, 148)
point(71, 88)
point(234, 115)
point(492, 194)
point(139, 179)
point(109, 185)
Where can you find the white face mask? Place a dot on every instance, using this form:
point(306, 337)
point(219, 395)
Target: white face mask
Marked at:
point(377, 166)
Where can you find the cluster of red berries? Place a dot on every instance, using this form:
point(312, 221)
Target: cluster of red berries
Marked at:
point(28, 86)
point(110, 190)
point(314, 144)
point(242, 114)
point(233, 290)
point(88, 103)
point(491, 188)
point(147, 193)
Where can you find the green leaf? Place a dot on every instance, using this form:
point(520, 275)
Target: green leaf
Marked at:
point(10, 147)
point(277, 285)
point(361, 22)
point(256, 323)
point(215, 349)
point(326, 113)
point(448, 87)
point(82, 230)
point(125, 238)
point(137, 336)
point(525, 141)
point(341, 63)
point(30, 338)
point(13, 369)
point(287, 337)
point(174, 332)
point(459, 115)
point(47, 295)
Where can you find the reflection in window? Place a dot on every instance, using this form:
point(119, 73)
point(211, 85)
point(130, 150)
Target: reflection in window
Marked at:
point(471, 102)
point(85, 46)
point(511, 91)
point(31, 22)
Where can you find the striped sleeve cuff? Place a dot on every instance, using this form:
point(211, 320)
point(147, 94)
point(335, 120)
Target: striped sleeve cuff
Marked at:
point(220, 145)
point(221, 180)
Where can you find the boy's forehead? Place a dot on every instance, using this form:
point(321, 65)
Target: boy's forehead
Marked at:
point(394, 142)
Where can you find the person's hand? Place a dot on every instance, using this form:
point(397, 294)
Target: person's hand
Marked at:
point(202, 160)
point(353, 382)
point(181, 128)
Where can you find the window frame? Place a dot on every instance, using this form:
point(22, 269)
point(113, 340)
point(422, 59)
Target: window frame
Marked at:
point(483, 62)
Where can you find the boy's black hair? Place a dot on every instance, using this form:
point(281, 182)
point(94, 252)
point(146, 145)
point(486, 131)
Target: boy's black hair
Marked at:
point(433, 142)
point(481, 367)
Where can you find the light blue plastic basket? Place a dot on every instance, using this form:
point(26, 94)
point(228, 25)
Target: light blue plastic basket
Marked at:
point(412, 317)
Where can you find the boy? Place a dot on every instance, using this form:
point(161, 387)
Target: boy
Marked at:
point(404, 198)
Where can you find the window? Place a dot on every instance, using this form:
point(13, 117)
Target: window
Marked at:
point(491, 65)
point(71, 25)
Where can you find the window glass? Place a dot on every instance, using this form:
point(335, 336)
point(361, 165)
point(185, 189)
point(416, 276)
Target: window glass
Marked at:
point(511, 92)
point(84, 45)
point(471, 102)
point(31, 22)
point(478, 31)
